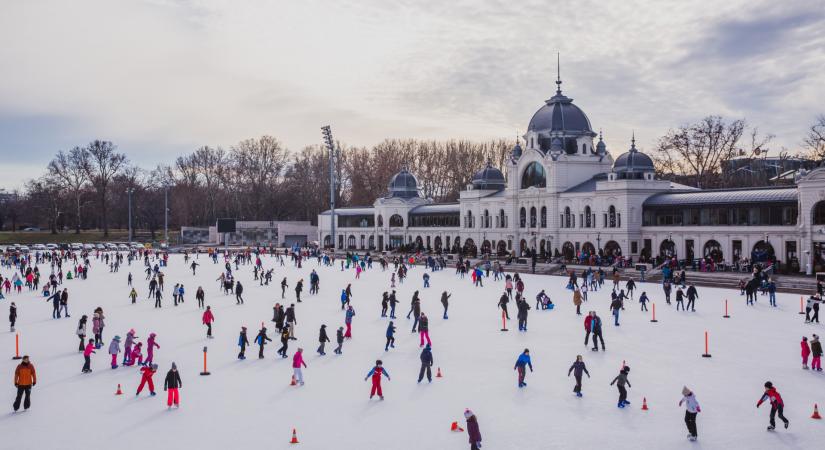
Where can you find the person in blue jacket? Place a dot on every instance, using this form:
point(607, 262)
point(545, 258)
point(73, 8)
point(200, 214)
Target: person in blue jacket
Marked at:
point(390, 337)
point(522, 363)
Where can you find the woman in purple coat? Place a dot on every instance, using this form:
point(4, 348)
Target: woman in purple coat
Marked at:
point(472, 430)
point(150, 349)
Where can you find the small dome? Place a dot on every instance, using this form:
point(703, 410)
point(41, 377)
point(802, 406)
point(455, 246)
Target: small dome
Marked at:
point(516, 152)
point(633, 161)
point(601, 148)
point(404, 185)
point(489, 178)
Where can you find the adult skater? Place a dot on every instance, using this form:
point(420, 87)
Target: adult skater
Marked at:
point(616, 307)
point(81, 331)
point(415, 310)
point(777, 405)
point(522, 363)
point(816, 354)
point(502, 303)
point(200, 296)
point(25, 377)
point(620, 381)
point(393, 302)
point(283, 287)
point(261, 340)
point(445, 301)
point(87, 356)
point(692, 295)
point(588, 326)
point(299, 286)
point(390, 337)
point(291, 320)
point(146, 374)
point(284, 343)
point(577, 369)
point(297, 362)
point(348, 321)
point(577, 300)
point(12, 316)
point(691, 410)
point(424, 329)
point(243, 341)
point(522, 310)
point(114, 349)
point(376, 373)
point(238, 293)
point(472, 430)
point(596, 327)
point(172, 384)
point(385, 298)
point(339, 339)
point(643, 299)
point(207, 320)
point(426, 364)
point(680, 299)
point(322, 339)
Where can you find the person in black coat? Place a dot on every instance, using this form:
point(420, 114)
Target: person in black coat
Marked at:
point(291, 321)
point(502, 303)
point(238, 293)
point(445, 301)
point(171, 384)
point(339, 338)
point(692, 295)
point(426, 364)
point(680, 299)
point(596, 329)
point(523, 308)
point(323, 339)
point(242, 342)
point(385, 298)
point(261, 340)
point(577, 369)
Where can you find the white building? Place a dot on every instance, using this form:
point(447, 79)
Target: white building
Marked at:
point(564, 194)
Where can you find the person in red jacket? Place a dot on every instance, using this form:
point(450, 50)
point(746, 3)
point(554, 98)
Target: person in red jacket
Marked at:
point(147, 372)
point(208, 318)
point(777, 405)
point(376, 373)
point(297, 362)
point(587, 321)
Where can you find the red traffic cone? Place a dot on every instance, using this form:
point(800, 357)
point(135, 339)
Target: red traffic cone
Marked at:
point(119, 392)
point(454, 427)
point(816, 415)
point(438, 373)
point(294, 439)
point(644, 404)
point(293, 382)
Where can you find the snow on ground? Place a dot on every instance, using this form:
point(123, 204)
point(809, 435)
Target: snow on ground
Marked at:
point(250, 403)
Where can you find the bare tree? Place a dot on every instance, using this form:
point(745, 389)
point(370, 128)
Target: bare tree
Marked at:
point(814, 141)
point(71, 171)
point(104, 165)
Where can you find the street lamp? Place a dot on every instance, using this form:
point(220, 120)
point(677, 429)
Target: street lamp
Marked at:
point(166, 213)
point(333, 153)
point(129, 192)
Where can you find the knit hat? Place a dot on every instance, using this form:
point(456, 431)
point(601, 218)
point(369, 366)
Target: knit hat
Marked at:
point(117, 338)
point(685, 391)
point(468, 413)
point(768, 384)
point(174, 366)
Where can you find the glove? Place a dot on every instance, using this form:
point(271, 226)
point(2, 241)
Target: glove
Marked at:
point(365, 379)
point(698, 410)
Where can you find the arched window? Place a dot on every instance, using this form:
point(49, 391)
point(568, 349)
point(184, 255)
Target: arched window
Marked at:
point(396, 221)
point(485, 223)
point(533, 176)
point(351, 241)
point(612, 217)
point(584, 149)
point(588, 219)
point(819, 213)
point(468, 221)
point(544, 217)
point(533, 217)
point(522, 217)
point(502, 219)
point(380, 220)
point(566, 217)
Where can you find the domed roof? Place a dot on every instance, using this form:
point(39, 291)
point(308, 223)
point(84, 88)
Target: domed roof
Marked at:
point(489, 178)
point(560, 114)
point(516, 152)
point(601, 148)
point(404, 185)
point(633, 161)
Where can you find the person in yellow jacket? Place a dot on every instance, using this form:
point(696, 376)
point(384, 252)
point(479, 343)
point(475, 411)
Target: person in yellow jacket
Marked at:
point(577, 300)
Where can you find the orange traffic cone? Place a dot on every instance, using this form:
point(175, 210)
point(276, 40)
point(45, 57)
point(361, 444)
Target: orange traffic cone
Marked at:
point(438, 373)
point(119, 392)
point(454, 427)
point(644, 404)
point(293, 382)
point(816, 415)
point(294, 437)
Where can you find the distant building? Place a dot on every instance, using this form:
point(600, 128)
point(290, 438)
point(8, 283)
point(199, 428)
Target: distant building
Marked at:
point(254, 233)
point(563, 194)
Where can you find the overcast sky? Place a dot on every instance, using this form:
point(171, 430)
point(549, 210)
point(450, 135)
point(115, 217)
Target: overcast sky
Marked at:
point(162, 77)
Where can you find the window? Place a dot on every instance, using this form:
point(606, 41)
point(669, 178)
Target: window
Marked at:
point(522, 217)
point(396, 221)
point(566, 217)
point(533, 217)
point(533, 176)
point(611, 217)
point(380, 221)
point(502, 219)
point(485, 223)
point(544, 217)
point(588, 220)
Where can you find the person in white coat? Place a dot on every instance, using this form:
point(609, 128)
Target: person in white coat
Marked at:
point(691, 410)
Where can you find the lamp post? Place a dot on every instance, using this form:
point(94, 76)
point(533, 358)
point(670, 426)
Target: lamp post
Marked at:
point(166, 214)
point(333, 153)
point(598, 241)
point(129, 192)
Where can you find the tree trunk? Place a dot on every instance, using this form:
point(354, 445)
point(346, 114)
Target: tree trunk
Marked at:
point(77, 228)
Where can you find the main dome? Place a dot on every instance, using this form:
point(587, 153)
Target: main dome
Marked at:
point(559, 114)
point(404, 185)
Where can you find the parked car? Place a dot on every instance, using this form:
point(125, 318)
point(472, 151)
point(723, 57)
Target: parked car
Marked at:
point(88, 246)
point(31, 229)
point(51, 247)
point(23, 248)
point(123, 247)
point(77, 246)
point(40, 247)
point(110, 246)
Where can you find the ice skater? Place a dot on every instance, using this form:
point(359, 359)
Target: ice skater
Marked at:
point(522, 363)
point(777, 405)
point(173, 384)
point(426, 364)
point(297, 362)
point(243, 341)
point(691, 410)
point(577, 369)
point(376, 373)
point(147, 372)
point(261, 340)
point(322, 339)
point(620, 381)
point(151, 345)
point(390, 337)
point(339, 339)
point(207, 319)
point(472, 430)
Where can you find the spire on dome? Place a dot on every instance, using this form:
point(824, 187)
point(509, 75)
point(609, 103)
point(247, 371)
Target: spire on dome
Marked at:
point(558, 74)
point(633, 142)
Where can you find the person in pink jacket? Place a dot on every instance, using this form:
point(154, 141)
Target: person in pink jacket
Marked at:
point(208, 318)
point(150, 349)
point(806, 351)
point(297, 362)
point(87, 353)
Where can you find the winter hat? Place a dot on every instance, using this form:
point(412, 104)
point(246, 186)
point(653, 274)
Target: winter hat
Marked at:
point(685, 391)
point(174, 366)
point(626, 369)
point(768, 385)
point(805, 338)
point(323, 326)
point(152, 334)
point(132, 331)
point(117, 338)
point(154, 367)
point(468, 413)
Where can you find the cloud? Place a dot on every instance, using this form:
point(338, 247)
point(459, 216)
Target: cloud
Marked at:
point(162, 77)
